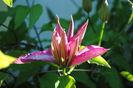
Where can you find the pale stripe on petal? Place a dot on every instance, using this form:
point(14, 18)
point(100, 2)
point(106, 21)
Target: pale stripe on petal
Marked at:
point(71, 29)
point(87, 53)
point(80, 33)
point(74, 45)
point(35, 56)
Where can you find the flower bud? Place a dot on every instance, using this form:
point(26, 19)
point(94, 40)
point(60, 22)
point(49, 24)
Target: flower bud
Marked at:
point(104, 11)
point(87, 5)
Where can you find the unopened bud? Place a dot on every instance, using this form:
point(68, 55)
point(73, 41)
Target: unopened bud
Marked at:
point(87, 5)
point(104, 11)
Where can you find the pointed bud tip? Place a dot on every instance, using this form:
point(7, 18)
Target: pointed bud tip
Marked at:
point(71, 17)
point(87, 20)
point(86, 23)
point(107, 49)
point(72, 22)
point(57, 19)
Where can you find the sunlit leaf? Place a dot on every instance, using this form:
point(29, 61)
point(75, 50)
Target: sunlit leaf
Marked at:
point(5, 60)
point(21, 14)
point(65, 82)
point(99, 60)
point(81, 47)
point(127, 75)
point(8, 2)
point(35, 14)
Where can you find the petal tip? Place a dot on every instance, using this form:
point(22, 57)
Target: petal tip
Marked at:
point(86, 23)
point(57, 19)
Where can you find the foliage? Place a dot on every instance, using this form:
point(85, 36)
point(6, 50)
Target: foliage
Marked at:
point(5, 60)
point(99, 60)
point(17, 23)
point(8, 2)
point(127, 75)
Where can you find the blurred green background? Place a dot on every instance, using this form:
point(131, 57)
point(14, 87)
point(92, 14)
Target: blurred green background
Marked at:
point(28, 25)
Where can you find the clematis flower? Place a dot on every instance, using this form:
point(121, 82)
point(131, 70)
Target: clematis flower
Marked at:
point(65, 48)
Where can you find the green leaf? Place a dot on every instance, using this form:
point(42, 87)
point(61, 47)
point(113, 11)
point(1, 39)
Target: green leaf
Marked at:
point(8, 2)
point(87, 5)
point(122, 62)
point(3, 16)
point(5, 60)
point(21, 14)
point(50, 14)
point(2, 77)
point(47, 27)
point(65, 82)
point(48, 78)
point(26, 71)
point(65, 24)
point(127, 75)
point(113, 78)
point(35, 14)
point(84, 78)
point(99, 60)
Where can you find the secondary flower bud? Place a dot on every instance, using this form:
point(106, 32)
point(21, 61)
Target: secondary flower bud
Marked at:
point(87, 6)
point(104, 11)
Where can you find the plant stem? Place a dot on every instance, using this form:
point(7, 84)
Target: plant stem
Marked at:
point(38, 37)
point(70, 70)
point(126, 26)
point(35, 29)
point(93, 29)
point(1, 82)
point(130, 2)
point(131, 16)
point(65, 71)
point(101, 33)
point(28, 3)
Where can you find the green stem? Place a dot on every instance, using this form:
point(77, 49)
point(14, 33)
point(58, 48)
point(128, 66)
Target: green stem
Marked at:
point(65, 71)
point(1, 81)
point(131, 17)
point(130, 2)
point(101, 33)
point(71, 69)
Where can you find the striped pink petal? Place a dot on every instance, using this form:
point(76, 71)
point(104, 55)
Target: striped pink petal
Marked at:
point(71, 29)
point(80, 33)
point(73, 45)
point(87, 53)
point(59, 44)
point(35, 56)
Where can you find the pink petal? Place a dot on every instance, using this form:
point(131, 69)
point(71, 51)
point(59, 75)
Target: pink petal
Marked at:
point(87, 53)
point(73, 45)
point(59, 43)
point(41, 56)
point(71, 28)
point(63, 48)
point(59, 29)
point(55, 45)
point(80, 33)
